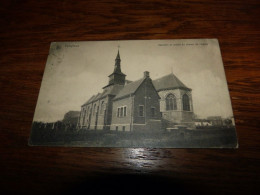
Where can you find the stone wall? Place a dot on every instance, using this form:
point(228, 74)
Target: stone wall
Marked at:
point(147, 96)
point(121, 123)
point(91, 118)
point(178, 116)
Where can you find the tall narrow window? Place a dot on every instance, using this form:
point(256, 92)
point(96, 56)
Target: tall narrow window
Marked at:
point(125, 111)
point(118, 112)
point(141, 110)
point(102, 107)
point(186, 102)
point(171, 102)
point(121, 111)
point(152, 112)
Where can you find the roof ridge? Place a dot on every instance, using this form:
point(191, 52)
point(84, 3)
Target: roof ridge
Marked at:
point(179, 81)
point(134, 81)
point(165, 76)
point(129, 88)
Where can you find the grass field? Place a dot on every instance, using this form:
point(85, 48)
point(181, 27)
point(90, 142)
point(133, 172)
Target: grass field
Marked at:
point(200, 138)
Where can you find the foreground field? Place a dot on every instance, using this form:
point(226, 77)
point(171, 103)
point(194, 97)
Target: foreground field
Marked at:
point(203, 138)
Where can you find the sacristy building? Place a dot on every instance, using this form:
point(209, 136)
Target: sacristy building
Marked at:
point(142, 105)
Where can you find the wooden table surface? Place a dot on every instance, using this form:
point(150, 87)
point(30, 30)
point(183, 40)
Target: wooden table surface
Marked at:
point(26, 30)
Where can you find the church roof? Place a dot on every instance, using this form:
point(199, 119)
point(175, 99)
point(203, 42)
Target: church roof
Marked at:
point(113, 90)
point(128, 81)
point(169, 82)
point(110, 91)
point(116, 71)
point(129, 88)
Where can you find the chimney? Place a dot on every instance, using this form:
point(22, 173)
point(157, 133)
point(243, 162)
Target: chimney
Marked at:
point(146, 74)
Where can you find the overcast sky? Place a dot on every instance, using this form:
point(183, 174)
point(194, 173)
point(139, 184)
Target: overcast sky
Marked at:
point(76, 70)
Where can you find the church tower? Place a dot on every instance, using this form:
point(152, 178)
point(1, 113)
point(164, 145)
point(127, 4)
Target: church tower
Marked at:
point(117, 77)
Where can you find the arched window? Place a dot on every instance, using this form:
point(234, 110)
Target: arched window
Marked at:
point(90, 112)
point(171, 102)
point(186, 102)
point(102, 107)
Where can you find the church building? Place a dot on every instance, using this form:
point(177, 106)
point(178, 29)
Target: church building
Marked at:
point(140, 105)
point(176, 103)
point(136, 107)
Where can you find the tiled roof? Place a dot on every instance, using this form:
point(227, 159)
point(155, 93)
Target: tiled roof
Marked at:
point(128, 81)
point(110, 91)
point(129, 88)
point(168, 82)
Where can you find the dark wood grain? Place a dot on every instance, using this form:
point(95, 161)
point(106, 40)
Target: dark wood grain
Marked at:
point(26, 30)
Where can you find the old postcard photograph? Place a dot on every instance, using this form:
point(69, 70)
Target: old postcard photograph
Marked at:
point(142, 93)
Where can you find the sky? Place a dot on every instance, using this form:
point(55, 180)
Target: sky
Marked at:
point(75, 71)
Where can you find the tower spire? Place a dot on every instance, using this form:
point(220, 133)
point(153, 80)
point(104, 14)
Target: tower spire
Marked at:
point(117, 77)
point(118, 55)
point(117, 68)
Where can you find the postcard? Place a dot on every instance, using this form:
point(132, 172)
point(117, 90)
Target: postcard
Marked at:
point(141, 93)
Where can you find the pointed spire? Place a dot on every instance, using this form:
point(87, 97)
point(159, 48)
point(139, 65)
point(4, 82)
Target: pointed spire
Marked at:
point(117, 77)
point(118, 55)
point(117, 68)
